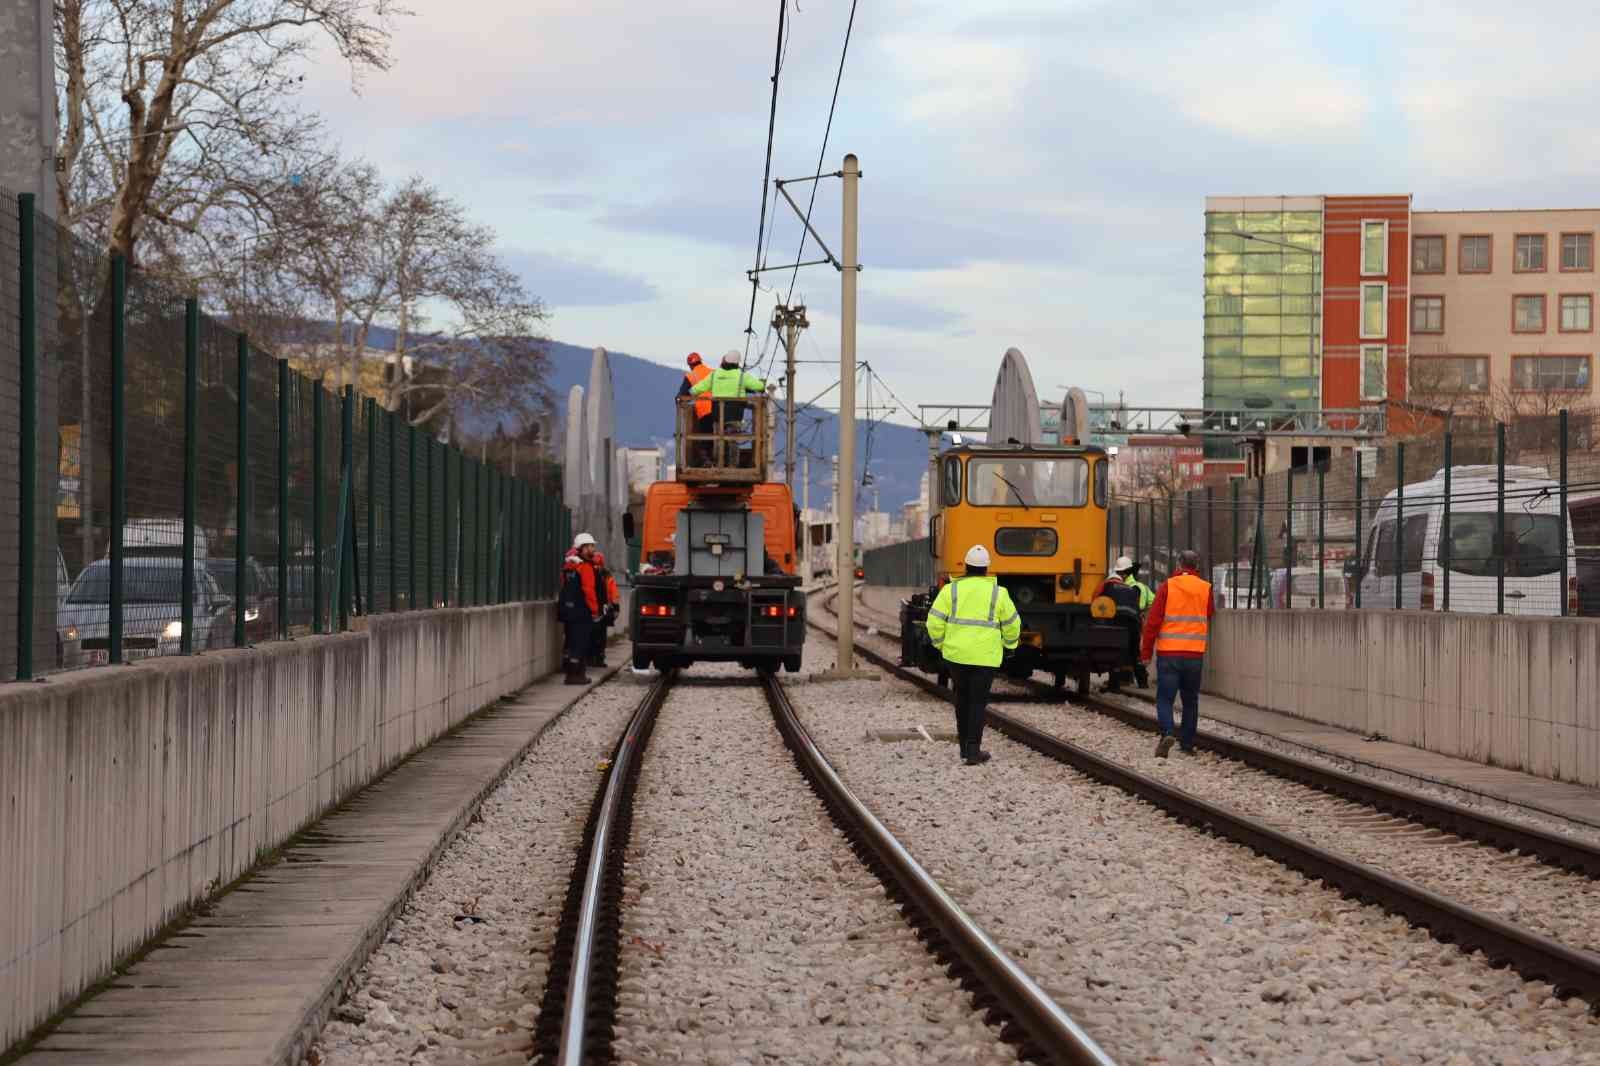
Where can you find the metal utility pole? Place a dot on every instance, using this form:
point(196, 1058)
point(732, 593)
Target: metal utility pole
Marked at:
point(805, 513)
point(847, 418)
point(789, 321)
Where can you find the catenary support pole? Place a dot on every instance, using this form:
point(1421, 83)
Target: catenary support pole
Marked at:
point(844, 565)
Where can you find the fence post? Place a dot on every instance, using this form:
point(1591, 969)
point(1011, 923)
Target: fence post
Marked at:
point(1211, 517)
point(1233, 558)
point(1500, 517)
point(1322, 531)
point(119, 445)
point(1444, 526)
point(1400, 525)
point(283, 499)
point(27, 444)
point(241, 498)
point(427, 578)
point(1258, 557)
point(370, 408)
point(318, 593)
point(1170, 537)
point(347, 503)
point(445, 570)
point(1361, 571)
point(1562, 430)
point(191, 445)
point(1288, 538)
point(411, 517)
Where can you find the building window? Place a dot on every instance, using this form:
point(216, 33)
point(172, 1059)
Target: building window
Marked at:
point(1527, 314)
point(1372, 372)
point(1529, 257)
point(1577, 312)
point(1374, 246)
point(1550, 372)
point(1374, 309)
point(1577, 251)
point(1427, 314)
point(1476, 254)
point(1449, 374)
point(1427, 255)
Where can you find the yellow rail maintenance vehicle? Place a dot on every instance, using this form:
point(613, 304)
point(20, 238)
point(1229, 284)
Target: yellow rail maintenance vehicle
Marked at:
point(1041, 511)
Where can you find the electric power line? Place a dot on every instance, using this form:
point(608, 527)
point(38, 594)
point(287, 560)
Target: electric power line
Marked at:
point(766, 176)
point(823, 152)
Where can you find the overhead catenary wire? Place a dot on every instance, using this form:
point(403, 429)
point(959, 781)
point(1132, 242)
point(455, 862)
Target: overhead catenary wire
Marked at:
point(822, 153)
point(766, 176)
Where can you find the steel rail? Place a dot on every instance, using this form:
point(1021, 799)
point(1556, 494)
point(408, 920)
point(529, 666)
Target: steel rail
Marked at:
point(1553, 849)
point(1535, 957)
point(587, 942)
point(1047, 1031)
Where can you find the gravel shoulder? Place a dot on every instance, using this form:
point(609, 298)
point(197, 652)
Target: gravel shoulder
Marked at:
point(1168, 945)
point(751, 932)
point(459, 976)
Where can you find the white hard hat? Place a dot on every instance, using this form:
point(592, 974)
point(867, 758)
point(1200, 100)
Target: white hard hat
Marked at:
point(1123, 563)
point(977, 555)
point(581, 539)
point(731, 357)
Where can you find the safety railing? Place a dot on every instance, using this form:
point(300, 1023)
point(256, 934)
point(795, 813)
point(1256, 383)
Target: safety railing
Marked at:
point(722, 441)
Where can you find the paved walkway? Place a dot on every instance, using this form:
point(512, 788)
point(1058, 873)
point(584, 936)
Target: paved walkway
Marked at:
point(1577, 802)
point(254, 980)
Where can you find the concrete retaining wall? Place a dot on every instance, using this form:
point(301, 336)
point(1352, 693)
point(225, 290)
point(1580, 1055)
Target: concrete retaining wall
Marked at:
point(130, 792)
point(1522, 693)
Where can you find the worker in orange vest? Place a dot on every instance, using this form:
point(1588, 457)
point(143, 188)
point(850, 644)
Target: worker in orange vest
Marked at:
point(1178, 628)
point(702, 407)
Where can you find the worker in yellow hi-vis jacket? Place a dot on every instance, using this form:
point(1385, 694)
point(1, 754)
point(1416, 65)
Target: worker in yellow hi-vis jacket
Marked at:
point(975, 626)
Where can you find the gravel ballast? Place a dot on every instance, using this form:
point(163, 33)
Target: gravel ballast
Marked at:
point(1167, 944)
point(751, 932)
point(459, 976)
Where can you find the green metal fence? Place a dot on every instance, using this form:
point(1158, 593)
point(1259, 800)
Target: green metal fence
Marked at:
point(903, 565)
point(170, 488)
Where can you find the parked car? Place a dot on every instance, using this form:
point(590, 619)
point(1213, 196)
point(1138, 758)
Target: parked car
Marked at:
point(69, 645)
point(1230, 586)
point(1529, 553)
point(260, 604)
point(1306, 580)
point(152, 597)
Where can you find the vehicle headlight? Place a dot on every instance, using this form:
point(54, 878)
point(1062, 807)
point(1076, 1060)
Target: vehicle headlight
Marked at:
point(173, 631)
point(252, 613)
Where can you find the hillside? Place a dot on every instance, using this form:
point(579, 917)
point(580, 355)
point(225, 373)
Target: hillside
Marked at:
point(896, 455)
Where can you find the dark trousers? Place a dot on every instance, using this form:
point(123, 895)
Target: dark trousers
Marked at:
point(971, 687)
point(1175, 675)
point(578, 637)
point(598, 632)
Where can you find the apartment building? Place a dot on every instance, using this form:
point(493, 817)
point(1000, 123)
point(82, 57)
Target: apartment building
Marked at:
point(1503, 302)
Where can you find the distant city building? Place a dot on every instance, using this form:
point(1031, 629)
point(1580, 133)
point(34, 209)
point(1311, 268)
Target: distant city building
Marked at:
point(1155, 466)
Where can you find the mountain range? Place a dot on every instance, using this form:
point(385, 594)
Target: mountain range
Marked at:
point(894, 455)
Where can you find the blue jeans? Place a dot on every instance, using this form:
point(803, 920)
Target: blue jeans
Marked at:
point(1174, 675)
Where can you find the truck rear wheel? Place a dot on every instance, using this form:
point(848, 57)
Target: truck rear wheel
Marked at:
point(641, 660)
point(791, 663)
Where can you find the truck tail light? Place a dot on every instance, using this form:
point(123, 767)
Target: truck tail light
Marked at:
point(779, 612)
point(1427, 591)
point(657, 610)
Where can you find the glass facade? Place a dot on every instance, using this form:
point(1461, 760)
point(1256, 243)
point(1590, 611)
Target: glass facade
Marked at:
point(1263, 309)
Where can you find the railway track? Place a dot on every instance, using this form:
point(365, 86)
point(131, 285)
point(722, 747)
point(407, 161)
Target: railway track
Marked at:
point(1534, 956)
point(578, 1018)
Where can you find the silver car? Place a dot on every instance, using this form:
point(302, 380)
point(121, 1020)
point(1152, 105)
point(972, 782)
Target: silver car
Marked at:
point(152, 615)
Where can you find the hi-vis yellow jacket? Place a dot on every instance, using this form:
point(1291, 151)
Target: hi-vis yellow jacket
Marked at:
point(973, 621)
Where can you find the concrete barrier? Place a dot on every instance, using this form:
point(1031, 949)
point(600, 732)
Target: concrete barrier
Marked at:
point(1523, 693)
point(131, 792)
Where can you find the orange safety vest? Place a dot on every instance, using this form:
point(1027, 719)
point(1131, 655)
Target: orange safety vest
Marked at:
point(702, 408)
point(1185, 627)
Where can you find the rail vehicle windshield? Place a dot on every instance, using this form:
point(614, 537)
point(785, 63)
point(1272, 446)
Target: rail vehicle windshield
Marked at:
point(1029, 482)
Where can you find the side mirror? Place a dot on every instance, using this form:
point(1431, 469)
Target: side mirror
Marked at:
point(627, 525)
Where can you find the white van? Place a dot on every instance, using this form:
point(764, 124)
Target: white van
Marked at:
point(1308, 581)
point(1530, 551)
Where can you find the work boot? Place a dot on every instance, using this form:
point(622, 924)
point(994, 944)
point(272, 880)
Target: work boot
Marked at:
point(1163, 746)
point(575, 674)
point(976, 756)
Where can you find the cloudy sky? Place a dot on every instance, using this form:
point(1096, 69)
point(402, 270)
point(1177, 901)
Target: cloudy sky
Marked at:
point(1034, 171)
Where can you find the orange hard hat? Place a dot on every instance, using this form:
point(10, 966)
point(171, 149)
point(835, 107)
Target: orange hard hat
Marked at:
point(694, 358)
